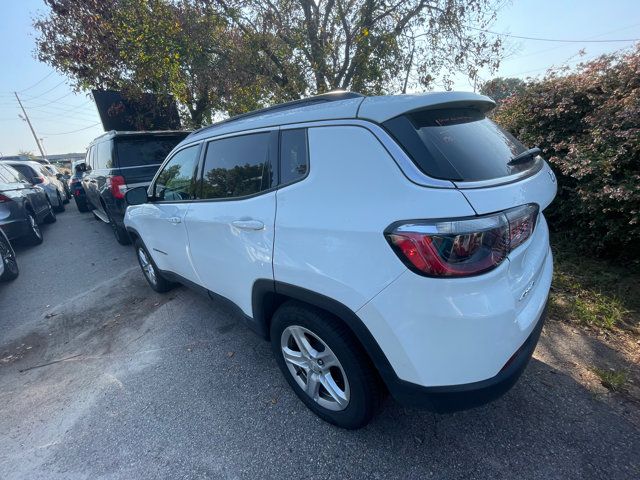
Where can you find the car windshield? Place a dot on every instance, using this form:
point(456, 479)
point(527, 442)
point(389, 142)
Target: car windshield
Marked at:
point(145, 150)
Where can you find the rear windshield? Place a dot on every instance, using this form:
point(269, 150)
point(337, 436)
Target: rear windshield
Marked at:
point(25, 170)
point(459, 144)
point(145, 150)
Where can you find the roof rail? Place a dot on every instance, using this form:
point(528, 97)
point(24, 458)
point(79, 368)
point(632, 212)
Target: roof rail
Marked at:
point(303, 102)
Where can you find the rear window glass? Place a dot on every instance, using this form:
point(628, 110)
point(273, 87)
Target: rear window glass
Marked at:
point(25, 170)
point(457, 144)
point(138, 151)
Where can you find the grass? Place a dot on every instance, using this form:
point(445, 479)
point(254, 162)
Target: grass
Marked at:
point(593, 292)
point(611, 379)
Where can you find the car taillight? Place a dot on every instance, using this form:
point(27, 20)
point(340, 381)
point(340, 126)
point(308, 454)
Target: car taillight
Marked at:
point(117, 185)
point(4, 198)
point(458, 248)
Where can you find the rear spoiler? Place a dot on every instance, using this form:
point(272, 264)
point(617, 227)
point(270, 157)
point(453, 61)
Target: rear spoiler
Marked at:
point(383, 108)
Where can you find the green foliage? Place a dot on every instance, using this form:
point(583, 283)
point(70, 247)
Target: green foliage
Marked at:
point(587, 122)
point(611, 379)
point(221, 57)
point(501, 88)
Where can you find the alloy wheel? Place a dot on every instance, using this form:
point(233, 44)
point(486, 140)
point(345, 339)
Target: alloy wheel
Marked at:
point(147, 266)
point(315, 368)
point(34, 226)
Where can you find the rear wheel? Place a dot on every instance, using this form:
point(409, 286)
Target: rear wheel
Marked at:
point(51, 215)
point(154, 278)
point(34, 235)
point(8, 257)
point(82, 205)
point(119, 232)
point(325, 365)
point(60, 207)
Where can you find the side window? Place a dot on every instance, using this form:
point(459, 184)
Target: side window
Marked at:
point(237, 166)
point(4, 177)
point(294, 155)
point(103, 155)
point(176, 180)
point(89, 160)
point(10, 175)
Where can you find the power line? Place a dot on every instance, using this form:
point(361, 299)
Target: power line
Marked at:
point(45, 92)
point(561, 40)
point(72, 131)
point(38, 82)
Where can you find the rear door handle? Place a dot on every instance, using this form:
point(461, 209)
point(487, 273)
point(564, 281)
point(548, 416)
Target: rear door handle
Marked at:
point(248, 224)
point(175, 220)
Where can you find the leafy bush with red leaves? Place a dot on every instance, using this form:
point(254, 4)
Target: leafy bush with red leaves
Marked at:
point(587, 122)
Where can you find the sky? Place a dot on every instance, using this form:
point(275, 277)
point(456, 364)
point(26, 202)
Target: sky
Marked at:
point(67, 121)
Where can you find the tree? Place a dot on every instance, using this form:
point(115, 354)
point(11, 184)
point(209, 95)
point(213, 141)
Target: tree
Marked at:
point(500, 88)
point(183, 48)
point(371, 46)
point(235, 55)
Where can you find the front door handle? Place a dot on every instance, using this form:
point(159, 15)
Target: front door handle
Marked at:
point(175, 220)
point(248, 224)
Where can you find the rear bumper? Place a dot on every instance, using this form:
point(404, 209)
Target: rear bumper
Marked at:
point(452, 398)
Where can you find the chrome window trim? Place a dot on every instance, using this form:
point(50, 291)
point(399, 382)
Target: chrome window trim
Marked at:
point(406, 165)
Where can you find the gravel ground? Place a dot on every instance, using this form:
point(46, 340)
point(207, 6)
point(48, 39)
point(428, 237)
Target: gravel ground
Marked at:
point(119, 382)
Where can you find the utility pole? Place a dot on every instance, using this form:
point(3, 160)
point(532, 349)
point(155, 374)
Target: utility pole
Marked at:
point(30, 126)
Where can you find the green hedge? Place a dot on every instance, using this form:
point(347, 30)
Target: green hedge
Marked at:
point(587, 122)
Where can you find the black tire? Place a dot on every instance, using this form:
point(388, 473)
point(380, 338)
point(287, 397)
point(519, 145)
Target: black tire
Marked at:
point(60, 207)
point(8, 257)
point(122, 236)
point(82, 205)
point(364, 386)
point(34, 236)
point(156, 281)
point(51, 215)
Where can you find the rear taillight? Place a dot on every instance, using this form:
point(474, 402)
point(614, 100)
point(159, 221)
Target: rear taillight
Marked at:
point(117, 185)
point(4, 198)
point(458, 248)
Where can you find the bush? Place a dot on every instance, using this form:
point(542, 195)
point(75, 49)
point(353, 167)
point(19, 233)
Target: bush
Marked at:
point(587, 122)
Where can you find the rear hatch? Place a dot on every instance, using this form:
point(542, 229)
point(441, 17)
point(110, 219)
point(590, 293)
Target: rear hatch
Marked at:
point(138, 156)
point(456, 142)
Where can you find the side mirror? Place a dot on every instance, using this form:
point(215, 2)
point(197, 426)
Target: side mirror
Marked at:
point(136, 196)
point(37, 180)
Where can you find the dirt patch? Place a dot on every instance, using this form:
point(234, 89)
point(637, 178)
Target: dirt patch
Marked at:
point(592, 359)
point(22, 349)
point(97, 323)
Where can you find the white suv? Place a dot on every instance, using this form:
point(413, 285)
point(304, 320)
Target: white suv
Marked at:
point(392, 242)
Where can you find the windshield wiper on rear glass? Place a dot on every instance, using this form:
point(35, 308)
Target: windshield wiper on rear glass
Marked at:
point(525, 156)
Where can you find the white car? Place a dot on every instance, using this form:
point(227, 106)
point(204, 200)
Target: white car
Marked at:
point(391, 243)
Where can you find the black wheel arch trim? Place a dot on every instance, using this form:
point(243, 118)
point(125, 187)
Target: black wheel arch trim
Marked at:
point(447, 398)
point(265, 298)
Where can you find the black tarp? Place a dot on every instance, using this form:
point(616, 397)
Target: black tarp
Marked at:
point(146, 111)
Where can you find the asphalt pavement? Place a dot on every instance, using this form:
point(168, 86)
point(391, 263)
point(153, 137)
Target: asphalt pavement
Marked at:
point(100, 377)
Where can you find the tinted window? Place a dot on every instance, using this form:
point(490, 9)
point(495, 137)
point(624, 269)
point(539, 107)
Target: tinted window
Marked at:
point(103, 155)
point(457, 144)
point(237, 166)
point(11, 175)
point(4, 178)
point(176, 180)
point(140, 150)
point(294, 155)
point(25, 170)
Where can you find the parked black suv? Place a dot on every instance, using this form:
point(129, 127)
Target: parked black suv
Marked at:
point(22, 206)
point(117, 161)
